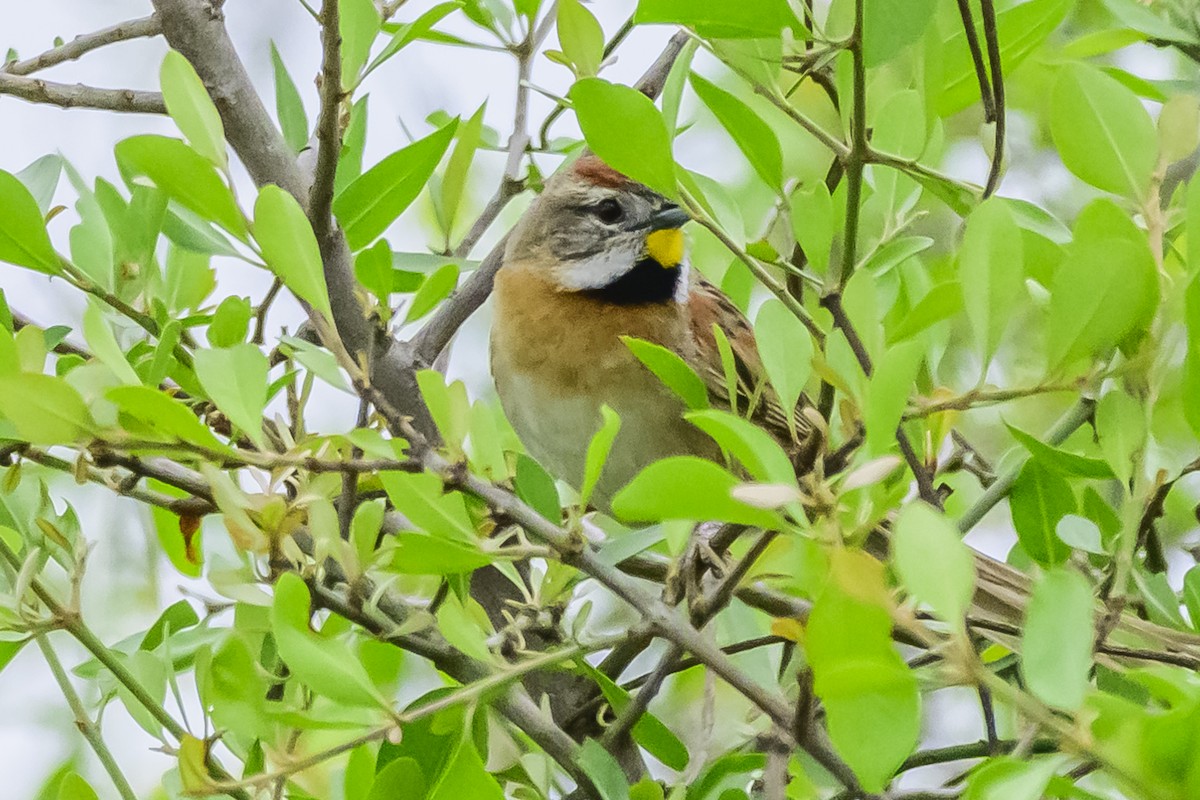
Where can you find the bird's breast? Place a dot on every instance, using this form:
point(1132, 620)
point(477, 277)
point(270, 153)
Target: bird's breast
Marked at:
point(557, 357)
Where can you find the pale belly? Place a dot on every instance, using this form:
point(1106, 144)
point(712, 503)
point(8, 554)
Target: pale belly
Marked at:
point(556, 426)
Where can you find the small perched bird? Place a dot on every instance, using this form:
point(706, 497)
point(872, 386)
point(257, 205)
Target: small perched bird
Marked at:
point(597, 257)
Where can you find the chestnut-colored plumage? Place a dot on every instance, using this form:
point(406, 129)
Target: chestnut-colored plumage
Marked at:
point(580, 272)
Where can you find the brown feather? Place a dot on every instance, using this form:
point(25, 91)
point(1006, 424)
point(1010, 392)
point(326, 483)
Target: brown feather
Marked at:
point(708, 307)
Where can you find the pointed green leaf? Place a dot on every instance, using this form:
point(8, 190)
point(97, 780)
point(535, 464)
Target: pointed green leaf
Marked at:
point(1056, 645)
point(192, 109)
point(290, 247)
point(991, 272)
point(236, 380)
point(624, 128)
point(935, 565)
point(289, 105)
point(375, 199)
point(753, 136)
point(1102, 132)
point(186, 176)
point(686, 487)
point(23, 237)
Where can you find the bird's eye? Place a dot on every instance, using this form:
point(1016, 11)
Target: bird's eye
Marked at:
point(609, 211)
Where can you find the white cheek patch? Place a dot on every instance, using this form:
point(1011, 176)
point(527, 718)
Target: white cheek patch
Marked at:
point(598, 271)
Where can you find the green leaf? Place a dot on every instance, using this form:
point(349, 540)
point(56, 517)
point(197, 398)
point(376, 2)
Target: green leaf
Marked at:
point(649, 731)
point(1191, 595)
point(1061, 460)
point(290, 248)
point(940, 303)
point(289, 105)
point(434, 289)
point(236, 380)
point(606, 774)
point(409, 32)
point(623, 127)
point(1094, 299)
point(581, 37)
point(870, 695)
point(373, 269)
point(1039, 499)
point(420, 498)
point(786, 349)
point(813, 223)
point(686, 487)
point(1121, 428)
point(230, 323)
point(41, 179)
point(1056, 645)
point(44, 409)
point(23, 237)
point(458, 168)
point(401, 777)
point(414, 553)
point(1102, 132)
point(358, 24)
point(536, 487)
point(324, 665)
point(672, 370)
point(1179, 127)
point(466, 777)
point(991, 273)
point(750, 133)
point(192, 109)
point(1010, 778)
point(186, 176)
point(888, 391)
point(375, 199)
point(160, 415)
point(752, 446)
point(103, 344)
point(751, 19)
point(932, 561)
point(889, 26)
point(597, 453)
point(74, 787)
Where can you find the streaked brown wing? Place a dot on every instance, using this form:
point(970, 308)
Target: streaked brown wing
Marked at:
point(709, 307)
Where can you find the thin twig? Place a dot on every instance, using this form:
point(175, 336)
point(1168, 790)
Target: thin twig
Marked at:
point(84, 723)
point(856, 158)
point(992, 36)
point(923, 407)
point(985, 87)
point(78, 95)
point(86, 43)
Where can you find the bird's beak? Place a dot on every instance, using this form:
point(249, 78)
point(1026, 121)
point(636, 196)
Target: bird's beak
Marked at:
point(668, 217)
point(664, 243)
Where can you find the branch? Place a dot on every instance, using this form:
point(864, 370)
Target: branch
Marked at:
point(86, 43)
point(63, 95)
point(329, 138)
point(84, 723)
point(197, 30)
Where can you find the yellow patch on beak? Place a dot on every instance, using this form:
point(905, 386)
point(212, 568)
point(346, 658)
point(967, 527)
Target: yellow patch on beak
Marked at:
point(666, 247)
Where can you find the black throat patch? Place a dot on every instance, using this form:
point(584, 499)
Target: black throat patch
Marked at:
point(647, 282)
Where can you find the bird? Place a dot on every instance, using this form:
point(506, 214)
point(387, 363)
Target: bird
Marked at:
point(595, 258)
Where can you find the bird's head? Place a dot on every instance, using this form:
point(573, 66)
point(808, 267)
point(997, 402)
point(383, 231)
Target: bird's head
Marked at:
point(594, 230)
